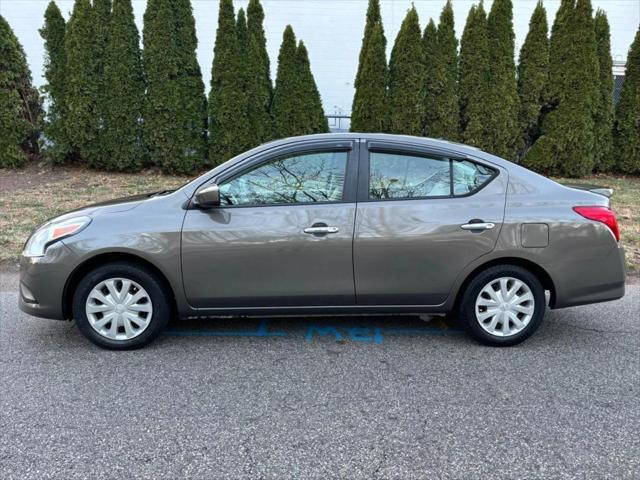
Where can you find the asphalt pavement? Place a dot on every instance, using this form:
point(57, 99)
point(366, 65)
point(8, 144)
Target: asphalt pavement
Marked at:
point(355, 397)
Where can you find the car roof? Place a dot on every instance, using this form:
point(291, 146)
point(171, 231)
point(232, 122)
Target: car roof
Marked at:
point(438, 143)
point(375, 136)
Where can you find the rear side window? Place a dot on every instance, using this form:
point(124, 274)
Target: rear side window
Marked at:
point(393, 176)
point(406, 176)
point(469, 176)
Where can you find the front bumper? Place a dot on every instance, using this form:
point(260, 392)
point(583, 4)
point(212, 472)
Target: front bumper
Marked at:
point(42, 282)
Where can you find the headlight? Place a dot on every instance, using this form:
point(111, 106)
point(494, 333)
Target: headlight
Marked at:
point(51, 232)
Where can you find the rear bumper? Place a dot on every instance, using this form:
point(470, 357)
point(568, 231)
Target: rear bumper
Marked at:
point(584, 282)
point(42, 281)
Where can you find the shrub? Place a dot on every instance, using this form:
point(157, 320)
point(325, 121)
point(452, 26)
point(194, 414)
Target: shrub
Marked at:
point(369, 112)
point(474, 81)
point(603, 118)
point(406, 78)
point(259, 88)
point(627, 124)
point(297, 107)
point(229, 130)
point(566, 145)
point(121, 136)
point(533, 74)
point(441, 105)
point(502, 102)
point(82, 85)
point(53, 32)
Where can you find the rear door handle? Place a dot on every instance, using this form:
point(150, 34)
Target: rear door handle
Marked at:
point(478, 226)
point(321, 230)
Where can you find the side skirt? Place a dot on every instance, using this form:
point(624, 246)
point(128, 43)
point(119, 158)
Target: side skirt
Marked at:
point(315, 311)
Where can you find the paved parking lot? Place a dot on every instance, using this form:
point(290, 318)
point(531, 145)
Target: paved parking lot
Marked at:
point(359, 397)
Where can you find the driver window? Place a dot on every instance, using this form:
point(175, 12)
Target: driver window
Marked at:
point(303, 178)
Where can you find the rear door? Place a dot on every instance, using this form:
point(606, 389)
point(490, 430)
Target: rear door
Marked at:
point(283, 235)
point(422, 216)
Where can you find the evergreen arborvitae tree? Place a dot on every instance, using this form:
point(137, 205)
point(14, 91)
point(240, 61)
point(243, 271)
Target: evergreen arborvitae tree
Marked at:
point(296, 107)
point(434, 78)
point(626, 131)
point(55, 61)
point(20, 108)
point(369, 111)
point(373, 18)
point(244, 70)
point(444, 121)
point(228, 126)
point(533, 74)
point(406, 78)
point(542, 155)
point(474, 83)
point(163, 100)
point(503, 102)
point(192, 119)
point(580, 158)
point(82, 85)
point(285, 108)
point(566, 146)
point(174, 128)
point(13, 129)
point(121, 133)
point(101, 20)
point(102, 16)
point(241, 31)
point(603, 118)
point(311, 104)
point(259, 88)
point(242, 35)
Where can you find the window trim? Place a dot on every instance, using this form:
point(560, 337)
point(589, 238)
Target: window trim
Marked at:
point(410, 150)
point(348, 191)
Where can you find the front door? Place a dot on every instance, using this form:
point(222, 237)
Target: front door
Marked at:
point(282, 236)
point(421, 218)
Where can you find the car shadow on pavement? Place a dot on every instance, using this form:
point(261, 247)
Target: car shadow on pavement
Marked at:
point(358, 329)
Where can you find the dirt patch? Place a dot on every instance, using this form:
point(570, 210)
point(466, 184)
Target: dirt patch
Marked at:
point(31, 176)
point(31, 196)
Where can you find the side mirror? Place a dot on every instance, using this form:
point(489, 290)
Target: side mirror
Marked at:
point(208, 197)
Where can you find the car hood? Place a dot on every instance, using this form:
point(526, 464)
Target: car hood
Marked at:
point(111, 206)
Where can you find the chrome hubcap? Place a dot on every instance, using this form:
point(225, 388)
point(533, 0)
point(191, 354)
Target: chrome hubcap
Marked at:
point(505, 306)
point(119, 309)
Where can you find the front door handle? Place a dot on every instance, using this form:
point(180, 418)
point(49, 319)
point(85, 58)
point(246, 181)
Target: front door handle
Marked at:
point(478, 226)
point(321, 230)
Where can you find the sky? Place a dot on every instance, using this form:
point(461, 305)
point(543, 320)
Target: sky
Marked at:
point(331, 30)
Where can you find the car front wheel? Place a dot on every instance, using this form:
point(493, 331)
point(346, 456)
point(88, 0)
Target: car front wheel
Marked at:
point(121, 306)
point(503, 305)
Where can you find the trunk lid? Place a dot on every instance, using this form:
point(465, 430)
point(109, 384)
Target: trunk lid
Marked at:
point(599, 189)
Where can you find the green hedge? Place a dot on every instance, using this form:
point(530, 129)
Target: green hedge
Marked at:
point(113, 106)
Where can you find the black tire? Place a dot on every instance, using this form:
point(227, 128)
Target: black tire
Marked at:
point(467, 310)
point(158, 293)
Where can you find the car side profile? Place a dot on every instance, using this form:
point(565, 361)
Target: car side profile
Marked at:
point(331, 224)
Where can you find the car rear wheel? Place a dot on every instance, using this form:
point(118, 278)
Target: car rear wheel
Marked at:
point(503, 305)
point(121, 306)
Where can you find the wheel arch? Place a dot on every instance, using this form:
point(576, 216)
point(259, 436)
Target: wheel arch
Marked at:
point(540, 273)
point(101, 259)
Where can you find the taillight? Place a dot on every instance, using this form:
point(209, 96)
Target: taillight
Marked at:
point(601, 214)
